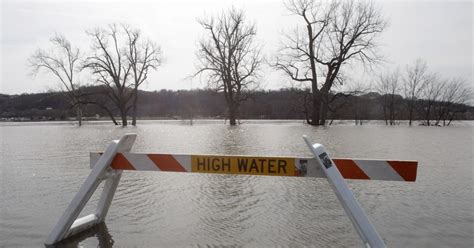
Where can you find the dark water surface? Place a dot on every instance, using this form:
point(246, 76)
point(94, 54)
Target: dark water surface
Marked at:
point(42, 166)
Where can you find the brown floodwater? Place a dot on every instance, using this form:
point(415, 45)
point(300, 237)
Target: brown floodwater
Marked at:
point(42, 166)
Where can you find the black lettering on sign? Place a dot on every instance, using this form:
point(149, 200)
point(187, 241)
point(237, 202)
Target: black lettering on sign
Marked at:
point(226, 164)
point(271, 165)
point(262, 164)
point(215, 164)
point(253, 165)
point(201, 163)
point(242, 164)
point(281, 166)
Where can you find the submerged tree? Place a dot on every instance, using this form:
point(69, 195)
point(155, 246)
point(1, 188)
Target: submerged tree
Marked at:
point(142, 55)
point(229, 58)
point(62, 61)
point(455, 96)
point(388, 86)
point(336, 34)
point(414, 82)
point(120, 64)
point(111, 68)
point(430, 95)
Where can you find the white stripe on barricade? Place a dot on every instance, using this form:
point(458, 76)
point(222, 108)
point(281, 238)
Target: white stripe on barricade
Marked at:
point(140, 162)
point(378, 169)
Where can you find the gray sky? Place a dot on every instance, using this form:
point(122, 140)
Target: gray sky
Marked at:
point(440, 32)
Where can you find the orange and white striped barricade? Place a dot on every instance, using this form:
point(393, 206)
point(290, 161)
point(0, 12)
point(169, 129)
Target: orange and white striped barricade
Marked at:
point(117, 158)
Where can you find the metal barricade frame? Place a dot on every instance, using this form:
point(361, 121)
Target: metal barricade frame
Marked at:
point(105, 167)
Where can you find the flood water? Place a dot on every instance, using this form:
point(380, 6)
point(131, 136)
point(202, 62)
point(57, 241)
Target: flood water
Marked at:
point(42, 166)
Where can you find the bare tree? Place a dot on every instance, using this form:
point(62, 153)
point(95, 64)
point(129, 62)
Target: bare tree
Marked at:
point(110, 66)
point(355, 94)
point(98, 96)
point(297, 57)
point(336, 34)
point(229, 58)
point(62, 61)
point(454, 96)
point(414, 81)
point(430, 96)
point(301, 101)
point(388, 86)
point(142, 55)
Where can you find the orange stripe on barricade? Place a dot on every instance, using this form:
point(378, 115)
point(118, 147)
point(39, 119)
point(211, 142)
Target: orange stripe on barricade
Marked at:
point(121, 163)
point(166, 162)
point(406, 169)
point(349, 169)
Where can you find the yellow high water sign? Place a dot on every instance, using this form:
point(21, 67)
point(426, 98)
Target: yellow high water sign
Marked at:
point(271, 166)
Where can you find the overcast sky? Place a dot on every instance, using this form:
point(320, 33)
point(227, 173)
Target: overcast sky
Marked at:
point(440, 32)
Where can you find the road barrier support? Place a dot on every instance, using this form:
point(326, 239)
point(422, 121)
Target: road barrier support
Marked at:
point(108, 167)
point(356, 214)
point(68, 224)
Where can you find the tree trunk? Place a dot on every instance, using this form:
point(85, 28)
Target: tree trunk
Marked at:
point(324, 112)
point(232, 115)
point(410, 115)
point(79, 115)
point(385, 114)
point(124, 120)
point(134, 110)
point(111, 115)
point(392, 114)
point(428, 117)
point(314, 82)
point(451, 119)
point(123, 114)
point(316, 109)
point(113, 119)
point(324, 108)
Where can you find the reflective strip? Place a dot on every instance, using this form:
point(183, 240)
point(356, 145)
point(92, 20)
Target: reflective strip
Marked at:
point(165, 162)
point(378, 169)
point(303, 167)
point(121, 163)
point(350, 170)
point(184, 160)
point(406, 169)
point(140, 162)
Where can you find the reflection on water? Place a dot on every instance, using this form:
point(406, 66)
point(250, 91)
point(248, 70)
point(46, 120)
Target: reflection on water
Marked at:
point(43, 165)
point(98, 232)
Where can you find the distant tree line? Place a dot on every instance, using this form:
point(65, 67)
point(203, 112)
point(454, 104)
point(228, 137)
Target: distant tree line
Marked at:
point(194, 104)
point(426, 95)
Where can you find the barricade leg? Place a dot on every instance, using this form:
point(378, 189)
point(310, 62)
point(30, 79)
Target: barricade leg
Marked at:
point(68, 224)
point(356, 214)
point(108, 193)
